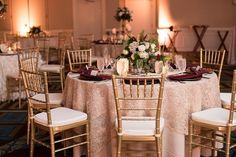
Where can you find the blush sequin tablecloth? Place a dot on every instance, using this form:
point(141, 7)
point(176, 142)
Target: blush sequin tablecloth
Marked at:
point(180, 100)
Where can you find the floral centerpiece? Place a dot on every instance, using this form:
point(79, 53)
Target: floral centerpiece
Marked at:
point(123, 14)
point(35, 30)
point(142, 50)
point(3, 8)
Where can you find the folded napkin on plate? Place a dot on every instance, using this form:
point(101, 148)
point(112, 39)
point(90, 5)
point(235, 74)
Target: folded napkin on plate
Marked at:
point(92, 74)
point(185, 77)
point(199, 70)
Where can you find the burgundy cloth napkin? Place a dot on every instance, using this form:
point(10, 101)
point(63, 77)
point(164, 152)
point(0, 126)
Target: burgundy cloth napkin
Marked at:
point(85, 74)
point(192, 73)
point(185, 77)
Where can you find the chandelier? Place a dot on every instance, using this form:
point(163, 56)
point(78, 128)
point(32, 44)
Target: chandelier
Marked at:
point(3, 8)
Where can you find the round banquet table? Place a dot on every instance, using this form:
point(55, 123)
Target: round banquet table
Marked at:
point(180, 100)
point(8, 66)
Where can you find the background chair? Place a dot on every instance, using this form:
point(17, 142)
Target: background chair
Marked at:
point(58, 69)
point(226, 97)
point(28, 60)
point(83, 41)
point(217, 125)
point(141, 126)
point(14, 82)
point(212, 59)
point(52, 121)
point(78, 58)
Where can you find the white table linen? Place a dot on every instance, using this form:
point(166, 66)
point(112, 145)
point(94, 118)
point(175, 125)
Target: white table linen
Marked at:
point(180, 100)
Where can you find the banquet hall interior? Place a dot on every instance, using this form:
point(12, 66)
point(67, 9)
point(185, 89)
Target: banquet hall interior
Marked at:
point(173, 39)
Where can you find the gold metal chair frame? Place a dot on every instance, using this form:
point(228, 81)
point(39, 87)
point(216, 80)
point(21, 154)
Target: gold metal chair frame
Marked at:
point(213, 59)
point(77, 58)
point(134, 89)
point(13, 80)
point(34, 83)
point(210, 134)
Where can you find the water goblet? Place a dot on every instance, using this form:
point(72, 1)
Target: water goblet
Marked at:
point(139, 66)
point(181, 64)
point(100, 64)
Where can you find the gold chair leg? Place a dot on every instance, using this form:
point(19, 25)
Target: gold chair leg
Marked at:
point(119, 146)
point(32, 141)
point(62, 79)
point(158, 146)
point(52, 144)
point(19, 81)
point(213, 144)
point(88, 140)
point(227, 144)
point(190, 132)
point(28, 127)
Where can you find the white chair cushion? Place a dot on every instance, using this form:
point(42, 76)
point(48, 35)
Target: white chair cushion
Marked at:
point(225, 98)
point(54, 98)
point(213, 116)
point(50, 68)
point(61, 116)
point(140, 127)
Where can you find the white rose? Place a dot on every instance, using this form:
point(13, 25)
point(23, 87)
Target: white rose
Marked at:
point(147, 45)
point(133, 46)
point(120, 14)
point(153, 46)
point(141, 48)
point(144, 55)
point(125, 52)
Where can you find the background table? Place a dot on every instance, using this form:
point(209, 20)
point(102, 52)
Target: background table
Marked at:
point(8, 66)
point(113, 49)
point(180, 100)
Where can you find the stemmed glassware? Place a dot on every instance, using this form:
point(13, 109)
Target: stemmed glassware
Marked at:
point(181, 63)
point(100, 64)
point(139, 66)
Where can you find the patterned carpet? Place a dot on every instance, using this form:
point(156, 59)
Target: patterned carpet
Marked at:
point(13, 123)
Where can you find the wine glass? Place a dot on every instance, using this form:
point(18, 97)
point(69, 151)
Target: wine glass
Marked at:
point(139, 65)
point(100, 64)
point(106, 57)
point(181, 64)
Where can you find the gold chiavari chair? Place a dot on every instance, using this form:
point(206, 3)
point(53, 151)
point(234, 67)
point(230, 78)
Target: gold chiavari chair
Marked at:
point(56, 69)
point(212, 59)
point(146, 123)
point(226, 99)
point(78, 58)
point(14, 82)
point(83, 41)
point(218, 122)
point(28, 60)
point(53, 121)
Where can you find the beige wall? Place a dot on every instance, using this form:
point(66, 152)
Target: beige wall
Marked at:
point(215, 13)
point(49, 14)
point(60, 14)
point(111, 6)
